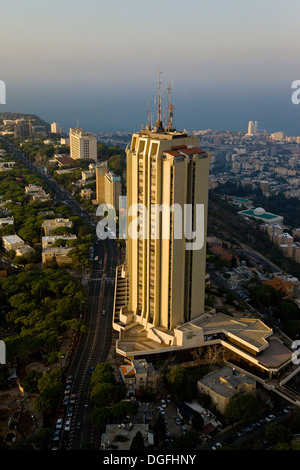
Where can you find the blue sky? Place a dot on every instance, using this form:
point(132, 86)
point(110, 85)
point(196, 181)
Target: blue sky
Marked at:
point(97, 61)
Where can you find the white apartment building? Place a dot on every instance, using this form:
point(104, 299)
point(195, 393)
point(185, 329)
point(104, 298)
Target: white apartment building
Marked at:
point(55, 128)
point(12, 242)
point(83, 145)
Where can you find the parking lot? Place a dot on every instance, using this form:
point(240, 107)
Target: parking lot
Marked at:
point(169, 412)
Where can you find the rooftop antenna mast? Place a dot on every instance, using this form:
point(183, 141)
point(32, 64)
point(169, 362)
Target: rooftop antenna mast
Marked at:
point(170, 109)
point(148, 120)
point(159, 122)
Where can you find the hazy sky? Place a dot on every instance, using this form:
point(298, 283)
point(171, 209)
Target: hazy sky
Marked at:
point(230, 61)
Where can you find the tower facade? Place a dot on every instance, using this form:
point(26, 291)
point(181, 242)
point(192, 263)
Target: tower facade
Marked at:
point(108, 186)
point(166, 170)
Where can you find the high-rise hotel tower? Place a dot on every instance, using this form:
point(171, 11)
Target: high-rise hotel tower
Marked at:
point(162, 283)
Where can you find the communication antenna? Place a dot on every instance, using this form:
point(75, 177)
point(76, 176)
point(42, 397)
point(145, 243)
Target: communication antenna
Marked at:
point(170, 109)
point(159, 122)
point(148, 120)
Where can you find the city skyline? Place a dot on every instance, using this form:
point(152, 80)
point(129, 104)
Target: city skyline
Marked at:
point(228, 64)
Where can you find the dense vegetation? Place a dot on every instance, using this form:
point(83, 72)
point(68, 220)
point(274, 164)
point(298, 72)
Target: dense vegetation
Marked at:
point(108, 397)
point(42, 306)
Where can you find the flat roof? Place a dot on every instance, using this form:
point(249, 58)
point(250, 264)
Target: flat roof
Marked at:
point(122, 436)
point(275, 355)
point(12, 238)
point(241, 199)
point(223, 381)
point(250, 330)
point(265, 215)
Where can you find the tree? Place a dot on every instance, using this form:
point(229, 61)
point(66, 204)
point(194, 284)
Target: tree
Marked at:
point(42, 438)
point(103, 373)
point(106, 394)
point(159, 429)
point(243, 407)
point(184, 443)
point(30, 381)
point(267, 295)
point(138, 442)
point(124, 408)
point(276, 433)
point(101, 416)
point(50, 388)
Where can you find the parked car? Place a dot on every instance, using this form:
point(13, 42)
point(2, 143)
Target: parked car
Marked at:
point(66, 401)
point(59, 423)
point(183, 429)
point(216, 446)
point(169, 399)
point(270, 418)
point(178, 421)
point(163, 403)
point(161, 410)
point(68, 425)
point(72, 399)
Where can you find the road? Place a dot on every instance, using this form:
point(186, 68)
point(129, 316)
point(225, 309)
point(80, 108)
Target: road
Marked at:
point(231, 438)
point(93, 346)
point(259, 258)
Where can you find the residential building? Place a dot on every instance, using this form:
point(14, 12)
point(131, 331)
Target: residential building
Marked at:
point(51, 224)
point(55, 128)
point(86, 193)
point(6, 221)
point(12, 242)
point(278, 136)
point(186, 411)
point(47, 242)
point(108, 186)
point(36, 193)
point(139, 376)
point(57, 255)
point(25, 250)
point(83, 145)
point(252, 128)
point(222, 384)
point(63, 160)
